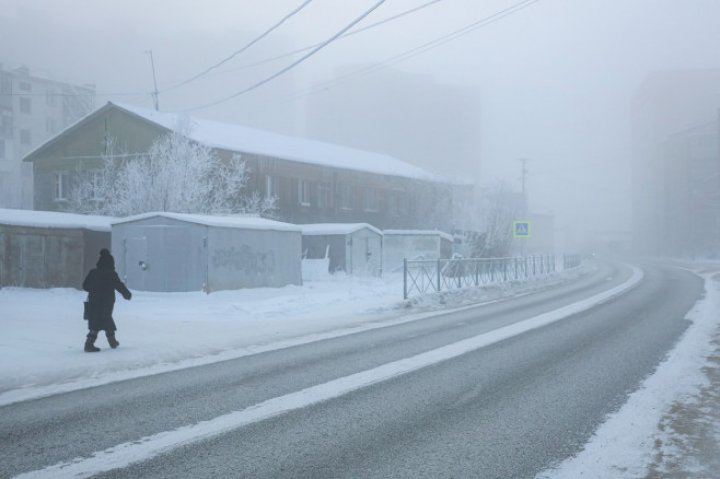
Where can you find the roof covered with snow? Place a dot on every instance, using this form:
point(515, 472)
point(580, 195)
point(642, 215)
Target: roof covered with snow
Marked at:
point(442, 234)
point(242, 139)
point(52, 219)
point(249, 140)
point(336, 228)
point(229, 221)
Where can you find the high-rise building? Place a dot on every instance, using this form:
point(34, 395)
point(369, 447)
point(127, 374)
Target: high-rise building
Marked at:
point(32, 109)
point(412, 117)
point(666, 103)
point(692, 192)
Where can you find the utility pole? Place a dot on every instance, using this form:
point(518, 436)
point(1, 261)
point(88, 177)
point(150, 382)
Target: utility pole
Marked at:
point(523, 175)
point(156, 93)
point(717, 201)
point(524, 212)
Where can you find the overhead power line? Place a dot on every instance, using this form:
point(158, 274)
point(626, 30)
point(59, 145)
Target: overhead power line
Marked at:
point(258, 63)
point(76, 94)
point(348, 34)
point(408, 54)
point(293, 64)
point(237, 52)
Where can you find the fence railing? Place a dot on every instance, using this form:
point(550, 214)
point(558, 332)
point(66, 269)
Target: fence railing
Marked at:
point(422, 276)
point(571, 261)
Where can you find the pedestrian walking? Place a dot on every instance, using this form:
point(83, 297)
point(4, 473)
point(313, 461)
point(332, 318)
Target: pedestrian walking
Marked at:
point(101, 284)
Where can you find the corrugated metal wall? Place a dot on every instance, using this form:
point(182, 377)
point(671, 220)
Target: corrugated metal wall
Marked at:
point(47, 257)
point(165, 254)
point(245, 258)
point(161, 254)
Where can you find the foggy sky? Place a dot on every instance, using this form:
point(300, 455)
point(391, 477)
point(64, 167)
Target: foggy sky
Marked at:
point(554, 80)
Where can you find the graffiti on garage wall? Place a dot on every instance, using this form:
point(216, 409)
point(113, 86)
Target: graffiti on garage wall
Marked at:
point(244, 258)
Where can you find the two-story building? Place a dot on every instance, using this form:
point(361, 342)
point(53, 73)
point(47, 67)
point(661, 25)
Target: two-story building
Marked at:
point(313, 182)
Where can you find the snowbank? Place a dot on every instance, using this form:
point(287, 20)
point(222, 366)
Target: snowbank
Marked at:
point(630, 441)
point(42, 331)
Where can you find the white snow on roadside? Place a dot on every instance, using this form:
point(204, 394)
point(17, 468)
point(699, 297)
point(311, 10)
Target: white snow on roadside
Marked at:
point(41, 336)
point(622, 447)
point(42, 331)
point(122, 455)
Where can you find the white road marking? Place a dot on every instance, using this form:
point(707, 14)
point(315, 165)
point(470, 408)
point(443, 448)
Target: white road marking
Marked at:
point(148, 447)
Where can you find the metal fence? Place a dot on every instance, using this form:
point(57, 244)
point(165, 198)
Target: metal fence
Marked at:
point(422, 276)
point(571, 261)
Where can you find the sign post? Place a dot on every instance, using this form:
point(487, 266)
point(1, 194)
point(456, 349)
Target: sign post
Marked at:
point(521, 229)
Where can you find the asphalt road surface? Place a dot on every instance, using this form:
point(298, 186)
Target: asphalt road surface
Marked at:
point(507, 410)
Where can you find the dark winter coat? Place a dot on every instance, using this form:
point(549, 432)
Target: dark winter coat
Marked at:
point(101, 284)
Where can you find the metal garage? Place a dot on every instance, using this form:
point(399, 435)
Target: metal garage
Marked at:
point(42, 249)
point(183, 252)
point(355, 248)
point(414, 244)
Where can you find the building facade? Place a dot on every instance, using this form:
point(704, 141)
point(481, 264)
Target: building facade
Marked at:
point(666, 103)
point(32, 109)
point(691, 192)
point(407, 115)
point(312, 182)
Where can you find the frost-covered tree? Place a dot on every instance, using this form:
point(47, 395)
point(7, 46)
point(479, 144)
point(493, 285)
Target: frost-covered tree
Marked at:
point(502, 207)
point(176, 174)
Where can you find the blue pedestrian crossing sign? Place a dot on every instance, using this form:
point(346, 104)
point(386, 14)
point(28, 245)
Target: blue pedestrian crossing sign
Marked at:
point(521, 229)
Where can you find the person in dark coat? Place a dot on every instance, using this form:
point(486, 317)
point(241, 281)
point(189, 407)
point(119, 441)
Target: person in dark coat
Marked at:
point(101, 284)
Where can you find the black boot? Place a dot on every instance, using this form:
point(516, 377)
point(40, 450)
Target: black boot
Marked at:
point(112, 341)
point(90, 342)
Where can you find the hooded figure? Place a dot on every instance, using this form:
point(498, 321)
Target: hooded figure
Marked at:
point(101, 284)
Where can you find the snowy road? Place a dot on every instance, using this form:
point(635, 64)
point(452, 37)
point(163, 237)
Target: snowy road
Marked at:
point(509, 409)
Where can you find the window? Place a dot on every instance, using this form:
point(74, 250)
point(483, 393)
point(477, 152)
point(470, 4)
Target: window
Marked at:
point(5, 84)
point(50, 125)
point(51, 98)
point(394, 203)
point(24, 137)
point(304, 188)
point(324, 195)
point(6, 123)
point(25, 106)
point(345, 196)
point(370, 202)
point(60, 186)
point(271, 188)
point(25, 86)
point(2, 149)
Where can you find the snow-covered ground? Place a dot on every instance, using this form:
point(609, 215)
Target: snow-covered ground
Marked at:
point(42, 331)
point(670, 427)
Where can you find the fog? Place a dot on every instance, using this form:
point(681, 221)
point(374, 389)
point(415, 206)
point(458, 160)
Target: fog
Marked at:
point(552, 83)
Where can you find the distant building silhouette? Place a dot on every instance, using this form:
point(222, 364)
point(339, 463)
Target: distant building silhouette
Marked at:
point(691, 218)
point(412, 116)
point(667, 109)
point(32, 109)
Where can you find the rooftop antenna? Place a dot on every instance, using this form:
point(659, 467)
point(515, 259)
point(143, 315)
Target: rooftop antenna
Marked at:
point(155, 93)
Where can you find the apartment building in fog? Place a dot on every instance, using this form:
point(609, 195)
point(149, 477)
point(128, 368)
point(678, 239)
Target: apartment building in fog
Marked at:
point(33, 108)
point(672, 119)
